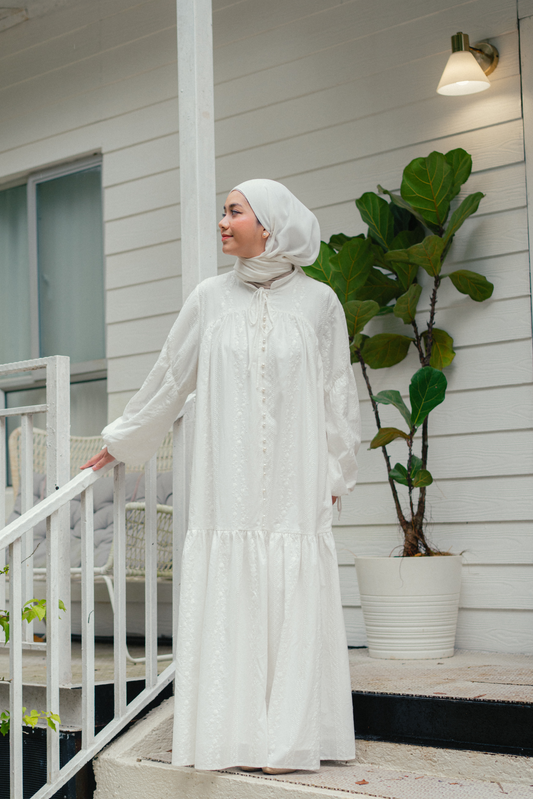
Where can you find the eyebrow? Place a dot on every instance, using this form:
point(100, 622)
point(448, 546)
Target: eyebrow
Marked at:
point(233, 205)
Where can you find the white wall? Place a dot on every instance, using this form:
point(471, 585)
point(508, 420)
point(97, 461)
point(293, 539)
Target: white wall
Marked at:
point(331, 98)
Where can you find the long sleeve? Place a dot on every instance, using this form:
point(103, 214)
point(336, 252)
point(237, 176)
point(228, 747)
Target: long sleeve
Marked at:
point(135, 436)
point(343, 422)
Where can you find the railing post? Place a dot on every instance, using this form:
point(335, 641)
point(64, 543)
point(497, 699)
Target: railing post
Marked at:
point(57, 474)
point(3, 481)
point(150, 570)
point(15, 670)
point(119, 560)
point(26, 502)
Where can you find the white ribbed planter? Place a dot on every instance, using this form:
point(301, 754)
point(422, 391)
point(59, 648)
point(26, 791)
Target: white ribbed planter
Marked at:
point(410, 605)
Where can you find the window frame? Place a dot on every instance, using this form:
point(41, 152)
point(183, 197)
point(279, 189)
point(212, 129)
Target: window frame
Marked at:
point(79, 372)
point(42, 176)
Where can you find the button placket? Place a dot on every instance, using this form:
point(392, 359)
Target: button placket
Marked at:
point(262, 377)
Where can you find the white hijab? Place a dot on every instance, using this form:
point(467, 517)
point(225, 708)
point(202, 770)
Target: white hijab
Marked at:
point(294, 231)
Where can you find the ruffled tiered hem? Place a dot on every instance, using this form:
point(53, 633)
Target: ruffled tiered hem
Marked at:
point(262, 675)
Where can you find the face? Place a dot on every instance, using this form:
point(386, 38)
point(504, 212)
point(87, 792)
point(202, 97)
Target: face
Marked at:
point(242, 235)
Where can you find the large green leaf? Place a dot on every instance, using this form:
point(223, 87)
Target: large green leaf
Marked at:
point(405, 307)
point(427, 184)
point(399, 474)
point(468, 207)
point(406, 222)
point(423, 478)
point(379, 257)
point(351, 267)
point(416, 464)
point(475, 285)
point(426, 390)
point(376, 213)
point(358, 313)
point(406, 238)
point(461, 164)
point(380, 288)
point(406, 271)
point(385, 349)
point(321, 269)
point(442, 352)
point(391, 397)
point(427, 254)
point(399, 202)
point(338, 239)
point(385, 436)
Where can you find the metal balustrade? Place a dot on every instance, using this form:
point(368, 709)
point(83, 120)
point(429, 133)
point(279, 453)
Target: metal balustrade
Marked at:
point(55, 510)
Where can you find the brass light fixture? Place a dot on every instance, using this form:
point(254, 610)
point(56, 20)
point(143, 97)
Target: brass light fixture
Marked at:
point(467, 68)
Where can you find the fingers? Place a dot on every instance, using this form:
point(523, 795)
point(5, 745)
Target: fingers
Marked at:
point(99, 460)
point(105, 459)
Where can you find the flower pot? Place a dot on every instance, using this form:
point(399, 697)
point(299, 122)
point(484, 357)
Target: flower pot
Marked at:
point(410, 605)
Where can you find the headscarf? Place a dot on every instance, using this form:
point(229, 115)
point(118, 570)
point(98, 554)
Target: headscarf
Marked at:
point(294, 231)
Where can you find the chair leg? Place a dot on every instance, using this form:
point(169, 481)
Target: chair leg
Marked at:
point(111, 591)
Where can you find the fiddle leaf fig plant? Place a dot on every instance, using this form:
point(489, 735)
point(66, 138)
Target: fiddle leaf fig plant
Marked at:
point(377, 275)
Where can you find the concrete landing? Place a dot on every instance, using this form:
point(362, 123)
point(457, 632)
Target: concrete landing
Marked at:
point(489, 676)
point(138, 764)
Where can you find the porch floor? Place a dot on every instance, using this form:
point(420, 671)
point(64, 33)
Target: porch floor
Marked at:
point(490, 676)
point(34, 663)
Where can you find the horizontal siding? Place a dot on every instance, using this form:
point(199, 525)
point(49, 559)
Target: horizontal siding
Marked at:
point(492, 630)
point(300, 96)
point(481, 543)
point(483, 587)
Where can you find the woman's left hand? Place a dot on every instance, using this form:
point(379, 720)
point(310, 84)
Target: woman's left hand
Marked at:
point(100, 459)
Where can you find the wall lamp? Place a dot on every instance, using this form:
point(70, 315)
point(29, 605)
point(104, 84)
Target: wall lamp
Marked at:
point(467, 68)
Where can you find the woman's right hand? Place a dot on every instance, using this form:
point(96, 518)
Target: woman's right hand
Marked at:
point(100, 459)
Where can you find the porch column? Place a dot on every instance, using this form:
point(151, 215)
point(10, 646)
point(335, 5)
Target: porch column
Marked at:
point(197, 142)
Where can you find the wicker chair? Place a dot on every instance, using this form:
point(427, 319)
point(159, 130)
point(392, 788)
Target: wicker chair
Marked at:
point(81, 449)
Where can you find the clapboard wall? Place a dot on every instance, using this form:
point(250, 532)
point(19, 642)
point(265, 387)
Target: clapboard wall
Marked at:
point(331, 98)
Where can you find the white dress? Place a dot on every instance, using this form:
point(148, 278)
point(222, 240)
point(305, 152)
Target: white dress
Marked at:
point(262, 673)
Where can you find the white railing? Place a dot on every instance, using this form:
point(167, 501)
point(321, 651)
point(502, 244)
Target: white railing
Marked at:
point(55, 510)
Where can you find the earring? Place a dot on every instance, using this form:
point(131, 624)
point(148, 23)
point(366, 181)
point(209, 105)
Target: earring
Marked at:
point(265, 234)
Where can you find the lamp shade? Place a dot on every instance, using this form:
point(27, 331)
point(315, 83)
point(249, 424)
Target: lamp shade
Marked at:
point(462, 75)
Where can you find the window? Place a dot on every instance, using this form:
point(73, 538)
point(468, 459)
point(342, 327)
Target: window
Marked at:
point(52, 285)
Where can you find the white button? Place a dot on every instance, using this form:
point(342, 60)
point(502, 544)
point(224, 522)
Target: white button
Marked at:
point(264, 449)
point(263, 347)
point(264, 399)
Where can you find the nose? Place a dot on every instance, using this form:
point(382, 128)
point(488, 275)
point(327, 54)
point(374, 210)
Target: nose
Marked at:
point(223, 223)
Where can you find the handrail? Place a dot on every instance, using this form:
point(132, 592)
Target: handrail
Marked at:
point(47, 506)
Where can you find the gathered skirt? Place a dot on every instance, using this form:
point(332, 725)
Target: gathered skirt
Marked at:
point(262, 675)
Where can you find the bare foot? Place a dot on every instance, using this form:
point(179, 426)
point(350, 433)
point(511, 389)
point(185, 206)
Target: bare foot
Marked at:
point(249, 768)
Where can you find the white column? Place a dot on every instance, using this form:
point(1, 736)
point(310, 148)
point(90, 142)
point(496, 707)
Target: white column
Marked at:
point(197, 142)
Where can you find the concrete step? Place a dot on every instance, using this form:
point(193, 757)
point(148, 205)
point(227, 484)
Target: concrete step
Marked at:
point(138, 764)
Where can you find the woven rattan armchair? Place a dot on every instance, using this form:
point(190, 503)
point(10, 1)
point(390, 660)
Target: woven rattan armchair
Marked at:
point(81, 449)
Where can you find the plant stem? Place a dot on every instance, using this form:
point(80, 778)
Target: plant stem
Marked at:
point(418, 341)
point(401, 518)
point(431, 322)
point(409, 480)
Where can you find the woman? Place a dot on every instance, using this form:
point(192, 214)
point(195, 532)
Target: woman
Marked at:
point(262, 677)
